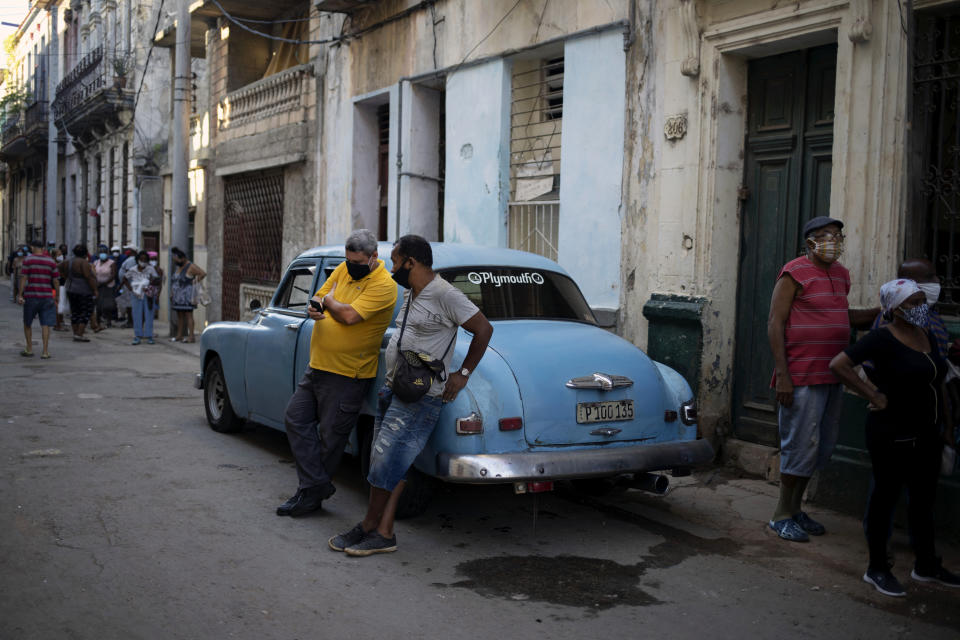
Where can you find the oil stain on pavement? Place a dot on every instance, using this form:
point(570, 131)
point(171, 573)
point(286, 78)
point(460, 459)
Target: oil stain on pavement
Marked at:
point(574, 581)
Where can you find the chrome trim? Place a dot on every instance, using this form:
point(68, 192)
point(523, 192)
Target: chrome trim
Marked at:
point(571, 463)
point(686, 409)
point(601, 381)
point(198, 381)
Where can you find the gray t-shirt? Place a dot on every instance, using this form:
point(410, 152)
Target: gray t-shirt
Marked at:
point(436, 314)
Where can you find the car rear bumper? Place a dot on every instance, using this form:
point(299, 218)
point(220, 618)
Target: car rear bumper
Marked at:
point(571, 463)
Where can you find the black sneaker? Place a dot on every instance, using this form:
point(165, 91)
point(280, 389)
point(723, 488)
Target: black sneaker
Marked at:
point(941, 575)
point(884, 582)
point(348, 539)
point(372, 543)
point(305, 501)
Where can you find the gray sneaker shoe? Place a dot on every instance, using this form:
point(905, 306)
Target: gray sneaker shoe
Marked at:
point(372, 543)
point(348, 539)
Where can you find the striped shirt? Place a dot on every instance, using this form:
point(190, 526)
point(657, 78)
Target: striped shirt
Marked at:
point(41, 272)
point(818, 327)
point(936, 328)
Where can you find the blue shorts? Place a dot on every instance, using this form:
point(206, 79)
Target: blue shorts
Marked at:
point(400, 433)
point(46, 308)
point(809, 429)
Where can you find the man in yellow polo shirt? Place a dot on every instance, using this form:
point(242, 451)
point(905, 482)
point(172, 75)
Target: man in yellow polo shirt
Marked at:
point(356, 305)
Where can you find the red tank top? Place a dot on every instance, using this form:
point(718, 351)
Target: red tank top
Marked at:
point(818, 327)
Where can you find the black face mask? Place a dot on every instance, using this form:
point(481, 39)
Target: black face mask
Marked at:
point(358, 271)
point(402, 277)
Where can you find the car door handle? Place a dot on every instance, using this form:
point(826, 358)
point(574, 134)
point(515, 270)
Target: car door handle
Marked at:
point(293, 327)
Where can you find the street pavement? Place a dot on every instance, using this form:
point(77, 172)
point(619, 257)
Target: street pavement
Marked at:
point(124, 516)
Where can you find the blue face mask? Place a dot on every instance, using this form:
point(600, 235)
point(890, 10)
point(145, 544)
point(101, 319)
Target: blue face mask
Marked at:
point(20, 253)
point(103, 256)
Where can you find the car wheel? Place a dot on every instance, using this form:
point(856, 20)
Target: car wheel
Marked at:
point(598, 486)
point(216, 400)
point(416, 494)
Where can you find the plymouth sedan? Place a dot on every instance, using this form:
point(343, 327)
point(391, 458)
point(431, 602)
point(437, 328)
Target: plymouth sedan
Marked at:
point(555, 397)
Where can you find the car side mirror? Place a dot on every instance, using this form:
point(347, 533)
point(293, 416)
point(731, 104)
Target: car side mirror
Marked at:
point(254, 305)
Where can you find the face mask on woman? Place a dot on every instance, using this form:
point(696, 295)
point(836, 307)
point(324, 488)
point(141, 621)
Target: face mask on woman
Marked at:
point(103, 257)
point(918, 316)
point(116, 254)
point(59, 258)
point(142, 263)
point(20, 253)
point(931, 290)
point(153, 263)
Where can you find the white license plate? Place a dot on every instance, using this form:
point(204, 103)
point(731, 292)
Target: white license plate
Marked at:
point(610, 411)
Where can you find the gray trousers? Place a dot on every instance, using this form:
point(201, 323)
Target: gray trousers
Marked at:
point(319, 418)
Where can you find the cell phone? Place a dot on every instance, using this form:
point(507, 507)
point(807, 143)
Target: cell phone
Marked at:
point(316, 305)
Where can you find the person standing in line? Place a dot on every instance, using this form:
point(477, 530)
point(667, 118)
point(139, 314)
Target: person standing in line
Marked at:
point(142, 281)
point(908, 402)
point(185, 277)
point(59, 257)
point(433, 312)
point(81, 290)
point(39, 290)
point(809, 324)
point(105, 269)
point(126, 261)
point(351, 312)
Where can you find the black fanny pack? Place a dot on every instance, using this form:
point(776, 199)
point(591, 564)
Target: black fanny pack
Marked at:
point(414, 372)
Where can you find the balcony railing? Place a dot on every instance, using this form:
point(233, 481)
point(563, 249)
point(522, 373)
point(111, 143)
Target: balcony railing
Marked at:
point(83, 81)
point(37, 116)
point(12, 128)
point(279, 93)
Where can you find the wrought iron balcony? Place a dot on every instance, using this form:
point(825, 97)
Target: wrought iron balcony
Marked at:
point(36, 124)
point(89, 97)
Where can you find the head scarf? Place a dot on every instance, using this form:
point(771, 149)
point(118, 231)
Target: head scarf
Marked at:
point(893, 293)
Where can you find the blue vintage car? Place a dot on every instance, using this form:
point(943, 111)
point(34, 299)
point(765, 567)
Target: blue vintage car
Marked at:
point(555, 397)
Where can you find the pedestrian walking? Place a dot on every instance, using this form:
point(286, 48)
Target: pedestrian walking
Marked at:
point(62, 304)
point(105, 269)
point(39, 289)
point(351, 312)
point(432, 312)
point(809, 324)
point(81, 283)
point(142, 282)
point(185, 278)
point(908, 401)
point(15, 264)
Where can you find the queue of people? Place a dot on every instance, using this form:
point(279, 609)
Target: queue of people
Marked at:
point(903, 377)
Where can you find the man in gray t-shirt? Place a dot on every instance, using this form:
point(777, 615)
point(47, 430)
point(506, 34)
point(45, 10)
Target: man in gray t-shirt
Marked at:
point(437, 310)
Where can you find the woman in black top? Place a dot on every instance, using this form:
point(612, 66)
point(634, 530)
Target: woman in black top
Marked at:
point(907, 409)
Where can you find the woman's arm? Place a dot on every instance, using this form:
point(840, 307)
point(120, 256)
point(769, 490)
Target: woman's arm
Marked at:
point(196, 272)
point(842, 367)
point(91, 277)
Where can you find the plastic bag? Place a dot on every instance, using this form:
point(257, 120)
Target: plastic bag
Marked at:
point(200, 295)
point(63, 305)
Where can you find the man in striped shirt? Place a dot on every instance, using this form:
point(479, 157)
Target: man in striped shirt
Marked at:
point(809, 324)
point(39, 290)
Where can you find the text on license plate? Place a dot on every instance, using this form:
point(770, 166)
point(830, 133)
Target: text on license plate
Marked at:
point(609, 411)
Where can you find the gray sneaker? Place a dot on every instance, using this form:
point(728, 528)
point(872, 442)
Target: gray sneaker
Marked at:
point(372, 543)
point(348, 539)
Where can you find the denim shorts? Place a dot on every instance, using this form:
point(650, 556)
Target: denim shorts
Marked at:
point(400, 433)
point(809, 428)
point(46, 308)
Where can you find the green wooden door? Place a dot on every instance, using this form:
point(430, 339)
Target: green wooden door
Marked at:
point(790, 100)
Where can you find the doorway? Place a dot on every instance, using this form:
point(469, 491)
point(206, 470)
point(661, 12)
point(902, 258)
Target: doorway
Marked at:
point(788, 166)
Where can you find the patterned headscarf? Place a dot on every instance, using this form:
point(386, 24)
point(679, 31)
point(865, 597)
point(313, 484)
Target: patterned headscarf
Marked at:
point(893, 293)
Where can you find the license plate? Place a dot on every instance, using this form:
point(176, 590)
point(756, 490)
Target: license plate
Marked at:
point(610, 411)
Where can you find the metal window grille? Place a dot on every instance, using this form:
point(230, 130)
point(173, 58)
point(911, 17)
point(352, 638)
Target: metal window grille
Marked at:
point(536, 120)
point(252, 234)
point(935, 149)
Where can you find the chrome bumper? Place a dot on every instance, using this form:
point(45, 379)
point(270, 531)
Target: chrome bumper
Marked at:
point(198, 381)
point(569, 464)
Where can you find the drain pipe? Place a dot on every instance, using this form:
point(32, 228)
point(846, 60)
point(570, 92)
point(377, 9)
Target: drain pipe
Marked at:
point(399, 154)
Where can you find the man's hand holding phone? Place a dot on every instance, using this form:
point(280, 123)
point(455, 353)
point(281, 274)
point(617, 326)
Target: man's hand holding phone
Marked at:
point(315, 311)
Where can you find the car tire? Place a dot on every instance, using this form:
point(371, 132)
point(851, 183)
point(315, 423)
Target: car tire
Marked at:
point(216, 400)
point(416, 495)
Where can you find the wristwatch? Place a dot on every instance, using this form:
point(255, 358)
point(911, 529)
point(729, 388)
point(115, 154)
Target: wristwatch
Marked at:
point(465, 372)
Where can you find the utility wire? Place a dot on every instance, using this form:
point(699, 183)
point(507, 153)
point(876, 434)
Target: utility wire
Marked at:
point(484, 38)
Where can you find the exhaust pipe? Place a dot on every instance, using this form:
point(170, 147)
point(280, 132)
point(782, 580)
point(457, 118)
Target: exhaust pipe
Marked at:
point(652, 482)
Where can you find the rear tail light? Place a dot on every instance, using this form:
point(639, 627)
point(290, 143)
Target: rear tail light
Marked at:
point(470, 425)
point(688, 413)
point(669, 416)
point(538, 486)
point(511, 424)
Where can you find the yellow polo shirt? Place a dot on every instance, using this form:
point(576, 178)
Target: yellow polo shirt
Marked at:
point(353, 350)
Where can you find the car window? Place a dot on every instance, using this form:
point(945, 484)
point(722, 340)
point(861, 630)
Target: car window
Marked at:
point(297, 288)
point(515, 293)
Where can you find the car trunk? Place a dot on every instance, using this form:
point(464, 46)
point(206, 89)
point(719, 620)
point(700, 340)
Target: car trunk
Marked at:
point(543, 369)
